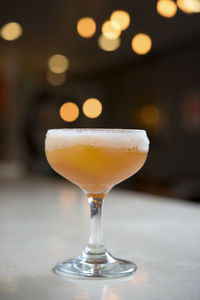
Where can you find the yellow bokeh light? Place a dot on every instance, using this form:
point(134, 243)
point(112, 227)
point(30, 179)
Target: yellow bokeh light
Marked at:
point(58, 63)
point(69, 111)
point(166, 8)
point(122, 18)
point(11, 31)
point(150, 114)
point(107, 44)
point(111, 30)
point(189, 6)
point(56, 79)
point(92, 108)
point(141, 43)
point(86, 27)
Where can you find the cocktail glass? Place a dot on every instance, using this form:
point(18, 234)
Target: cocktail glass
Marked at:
point(96, 160)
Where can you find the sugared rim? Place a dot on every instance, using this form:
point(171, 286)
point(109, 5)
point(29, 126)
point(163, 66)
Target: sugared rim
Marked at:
point(95, 129)
point(117, 138)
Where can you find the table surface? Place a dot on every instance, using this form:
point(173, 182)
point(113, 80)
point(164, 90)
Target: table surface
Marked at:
point(44, 221)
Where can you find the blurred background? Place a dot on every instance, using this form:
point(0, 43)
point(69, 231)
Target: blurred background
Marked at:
point(106, 64)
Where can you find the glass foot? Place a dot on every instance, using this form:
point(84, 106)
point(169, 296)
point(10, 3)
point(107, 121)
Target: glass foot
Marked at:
point(95, 266)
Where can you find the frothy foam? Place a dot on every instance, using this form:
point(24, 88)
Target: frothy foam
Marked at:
point(115, 138)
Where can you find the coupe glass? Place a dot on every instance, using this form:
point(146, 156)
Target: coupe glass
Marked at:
point(96, 160)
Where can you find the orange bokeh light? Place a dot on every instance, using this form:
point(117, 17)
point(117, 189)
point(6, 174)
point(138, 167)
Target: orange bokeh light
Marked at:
point(69, 111)
point(92, 108)
point(121, 17)
point(189, 6)
point(166, 8)
point(111, 30)
point(141, 43)
point(86, 27)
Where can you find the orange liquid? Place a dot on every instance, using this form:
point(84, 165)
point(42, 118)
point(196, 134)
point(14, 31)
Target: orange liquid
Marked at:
point(94, 168)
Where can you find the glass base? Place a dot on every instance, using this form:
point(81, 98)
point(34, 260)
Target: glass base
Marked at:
point(101, 265)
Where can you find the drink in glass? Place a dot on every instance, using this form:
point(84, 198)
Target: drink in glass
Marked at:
point(96, 160)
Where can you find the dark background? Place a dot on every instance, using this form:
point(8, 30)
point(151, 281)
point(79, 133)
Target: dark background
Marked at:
point(168, 78)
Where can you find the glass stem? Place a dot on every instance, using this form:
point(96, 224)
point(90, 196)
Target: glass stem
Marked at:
point(96, 243)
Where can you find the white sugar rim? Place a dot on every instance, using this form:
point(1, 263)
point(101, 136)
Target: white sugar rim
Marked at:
point(115, 138)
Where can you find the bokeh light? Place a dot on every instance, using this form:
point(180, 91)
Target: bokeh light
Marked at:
point(58, 63)
point(55, 79)
point(86, 27)
point(107, 44)
point(111, 30)
point(11, 31)
point(150, 115)
point(166, 8)
point(189, 6)
point(141, 43)
point(122, 18)
point(69, 111)
point(92, 108)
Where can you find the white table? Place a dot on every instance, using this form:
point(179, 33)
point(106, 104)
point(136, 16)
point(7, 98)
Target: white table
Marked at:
point(42, 222)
